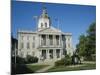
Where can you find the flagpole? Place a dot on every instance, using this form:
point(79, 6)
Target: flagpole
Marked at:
point(57, 23)
point(36, 20)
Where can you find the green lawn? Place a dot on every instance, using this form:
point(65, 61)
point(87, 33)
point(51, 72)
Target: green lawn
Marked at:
point(36, 67)
point(86, 66)
point(25, 69)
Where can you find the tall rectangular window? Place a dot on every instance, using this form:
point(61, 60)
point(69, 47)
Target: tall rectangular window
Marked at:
point(27, 37)
point(22, 45)
point(33, 38)
point(68, 39)
point(51, 54)
point(68, 45)
point(33, 45)
point(28, 45)
point(58, 53)
point(22, 37)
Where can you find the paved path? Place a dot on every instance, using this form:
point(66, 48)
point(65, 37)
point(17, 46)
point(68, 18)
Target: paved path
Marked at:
point(45, 68)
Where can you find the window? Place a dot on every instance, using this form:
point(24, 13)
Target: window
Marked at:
point(22, 37)
point(33, 37)
point(22, 45)
point(33, 53)
point(33, 45)
point(51, 54)
point(27, 37)
point(28, 46)
point(21, 54)
point(41, 25)
point(44, 54)
point(58, 53)
point(69, 45)
point(68, 39)
point(45, 24)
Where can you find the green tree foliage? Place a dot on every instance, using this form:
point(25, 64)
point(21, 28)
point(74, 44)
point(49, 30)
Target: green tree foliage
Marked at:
point(87, 43)
point(91, 36)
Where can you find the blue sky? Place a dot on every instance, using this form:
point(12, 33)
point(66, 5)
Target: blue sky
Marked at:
point(72, 18)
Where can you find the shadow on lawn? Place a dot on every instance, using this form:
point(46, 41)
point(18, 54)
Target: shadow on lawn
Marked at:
point(20, 69)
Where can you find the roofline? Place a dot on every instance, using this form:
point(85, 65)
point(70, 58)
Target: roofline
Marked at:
point(25, 31)
point(69, 34)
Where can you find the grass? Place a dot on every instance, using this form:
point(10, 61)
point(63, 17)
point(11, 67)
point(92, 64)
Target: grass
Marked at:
point(86, 66)
point(25, 69)
point(36, 67)
point(30, 68)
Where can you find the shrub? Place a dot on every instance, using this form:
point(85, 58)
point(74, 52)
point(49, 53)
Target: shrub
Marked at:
point(59, 62)
point(64, 61)
point(28, 59)
point(20, 60)
point(68, 60)
point(31, 59)
point(92, 57)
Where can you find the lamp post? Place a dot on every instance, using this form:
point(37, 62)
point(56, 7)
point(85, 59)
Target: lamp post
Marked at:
point(15, 58)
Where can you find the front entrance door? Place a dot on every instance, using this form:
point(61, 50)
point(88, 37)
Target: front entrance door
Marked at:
point(44, 54)
point(58, 53)
point(51, 54)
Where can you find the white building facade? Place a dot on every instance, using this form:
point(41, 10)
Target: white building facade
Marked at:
point(47, 42)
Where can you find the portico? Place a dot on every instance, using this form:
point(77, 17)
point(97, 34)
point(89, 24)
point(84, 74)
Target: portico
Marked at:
point(50, 54)
point(50, 40)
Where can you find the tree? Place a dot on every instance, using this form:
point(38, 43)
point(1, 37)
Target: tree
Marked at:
point(87, 43)
point(81, 47)
point(91, 35)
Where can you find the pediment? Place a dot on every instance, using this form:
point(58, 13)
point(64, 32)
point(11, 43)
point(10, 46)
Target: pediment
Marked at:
point(50, 30)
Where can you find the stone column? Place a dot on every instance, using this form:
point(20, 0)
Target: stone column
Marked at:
point(40, 53)
point(39, 40)
point(47, 51)
point(54, 53)
point(54, 40)
point(60, 40)
point(47, 40)
point(60, 53)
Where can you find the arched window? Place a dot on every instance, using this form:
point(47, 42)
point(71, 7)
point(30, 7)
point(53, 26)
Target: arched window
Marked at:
point(45, 24)
point(41, 25)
